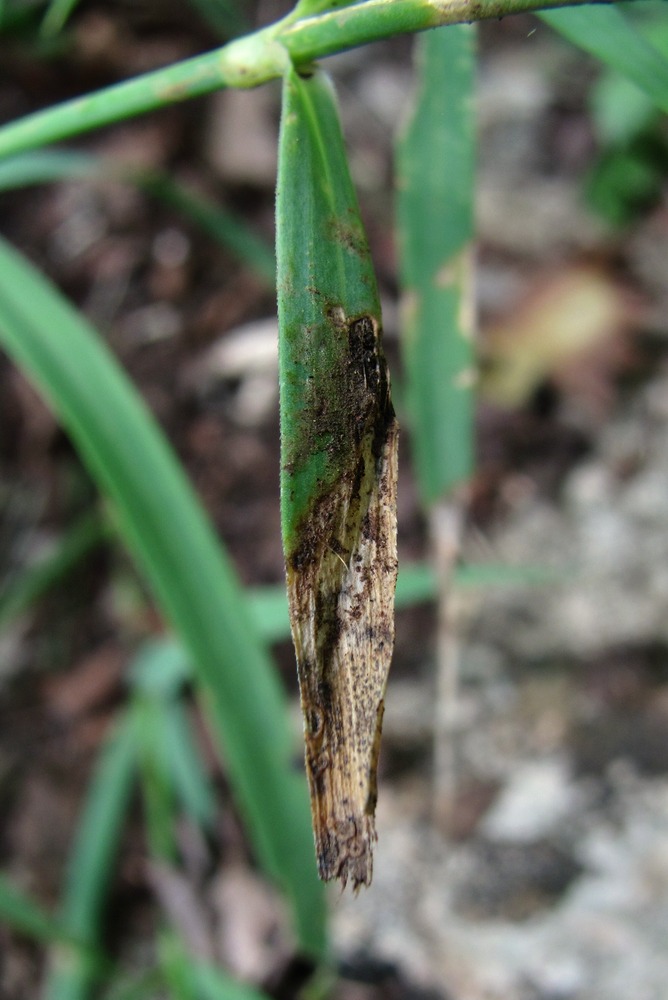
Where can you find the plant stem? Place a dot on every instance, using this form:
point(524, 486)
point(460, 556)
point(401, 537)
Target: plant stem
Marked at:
point(338, 30)
point(254, 59)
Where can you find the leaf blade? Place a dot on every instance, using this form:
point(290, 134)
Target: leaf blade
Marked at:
point(175, 547)
point(435, 168)
point(604, 32)
point(338, 475)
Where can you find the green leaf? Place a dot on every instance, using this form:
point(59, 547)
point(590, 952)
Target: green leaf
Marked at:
point(175, 967)
point(155, 780)
point(219, 223)
point(57, 16)
point(185, 766)
point(46, 165)
point(36, 579)
point(308, 8)
point(228, 18)
point(136, 987)
point(225, 227)
point(177, 551)
point(91, 862)
point(193, 979)
point(604, 32)
point(435, 185)
point(338, 474)
point(160, 669)
point(619, 108)
point(22, 914)
point(325, 279)
point(158, 675)
point(214, 984)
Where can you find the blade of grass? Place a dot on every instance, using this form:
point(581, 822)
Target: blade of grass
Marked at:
point(139, 987)
point(22, 914)
point(178, 552)
point(175, 967)
point(225, 227)
point(184, 762)
point(158, 675)
point(308, 8)
point(324, 266)
point(160, 669)
point(435, 184)
point(214, 984)
point(338, 473)
point(91, 861)
point(228, 18)
point(37, 579)
point(155, 783)
point(604, 32)
point(43, 166)
point(191, 978)
point(57, 16)
point(221, 224)
point(415, 584)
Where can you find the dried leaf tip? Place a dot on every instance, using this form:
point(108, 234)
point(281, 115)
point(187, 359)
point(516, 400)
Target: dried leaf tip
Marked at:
point(341, 583)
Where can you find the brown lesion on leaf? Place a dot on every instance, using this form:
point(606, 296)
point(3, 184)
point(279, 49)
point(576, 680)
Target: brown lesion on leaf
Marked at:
point(347, 231)
point(341, 580)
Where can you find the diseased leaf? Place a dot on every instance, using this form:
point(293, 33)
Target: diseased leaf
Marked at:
point(338, 475)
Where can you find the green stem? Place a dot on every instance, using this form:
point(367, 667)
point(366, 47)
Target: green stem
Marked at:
point(338, 30)
point(254, 59)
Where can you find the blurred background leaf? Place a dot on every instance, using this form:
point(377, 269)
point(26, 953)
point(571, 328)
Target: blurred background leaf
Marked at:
point(435, 186)
point(173, 543)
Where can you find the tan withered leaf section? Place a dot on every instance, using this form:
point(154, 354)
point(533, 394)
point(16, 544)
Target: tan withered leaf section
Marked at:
point(341, 583)
point(338, 474)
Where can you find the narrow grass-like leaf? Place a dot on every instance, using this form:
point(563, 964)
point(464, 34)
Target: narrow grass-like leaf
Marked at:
point(269, 605)
point(91, 862)
point(20, 15)
point(46, 165)
point(308, 8)
point(415, 584)
point(175, 547)
point(604, 32)
point(221, 224)
point(158, 674)
point(175, 968)
point(185, 766)
point(139, 987)
point(227, 17)
point(225, 227)
point(22, 914)
point(435, 182)
point(619, 109)
point(160, 669)
point(37, 579)
point(338, 474)
point(57, 16)
point(155, 780)
point(214, 984)
point(189, 977)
